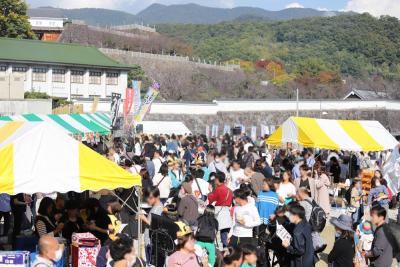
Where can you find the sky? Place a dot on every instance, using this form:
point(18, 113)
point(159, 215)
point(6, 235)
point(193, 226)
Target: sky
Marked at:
point(375, 7)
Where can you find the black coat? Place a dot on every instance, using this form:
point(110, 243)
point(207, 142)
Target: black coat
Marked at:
point(301, 250)
point(342, 253)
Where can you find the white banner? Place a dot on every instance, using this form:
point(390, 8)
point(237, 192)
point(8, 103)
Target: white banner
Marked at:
point(208, 131)
point(227, 129)
point(253, 134)
point(214, 130)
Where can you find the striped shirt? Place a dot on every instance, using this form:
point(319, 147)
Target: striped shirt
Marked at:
point(267, 202)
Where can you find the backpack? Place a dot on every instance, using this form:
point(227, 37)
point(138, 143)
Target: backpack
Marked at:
point(207, 229)
point(317, 218)
point(392, 233)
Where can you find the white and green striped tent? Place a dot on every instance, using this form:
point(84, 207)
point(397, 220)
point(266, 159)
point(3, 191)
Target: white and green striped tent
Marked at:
point(72, 123)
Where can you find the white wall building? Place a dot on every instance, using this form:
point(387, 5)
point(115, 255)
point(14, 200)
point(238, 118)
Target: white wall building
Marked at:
point(51, 23)
point(61, 70)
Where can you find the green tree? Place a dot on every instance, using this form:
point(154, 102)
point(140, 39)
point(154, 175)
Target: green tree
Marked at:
point(14, 21)
point(138, 74)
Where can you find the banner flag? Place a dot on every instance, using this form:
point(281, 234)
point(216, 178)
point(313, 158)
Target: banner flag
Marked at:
point(208, 131)
point(214, 130)
point(151, 94)
point(253, 134)
point(136, 85)
point(391, 171)
point(243, 129)
point(272, 128)
point(227, 129)
point(128, 104)
point(264, 130)
point(115, 103)
point(95, 104)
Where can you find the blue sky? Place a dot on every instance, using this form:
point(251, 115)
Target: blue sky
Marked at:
point(375, 7)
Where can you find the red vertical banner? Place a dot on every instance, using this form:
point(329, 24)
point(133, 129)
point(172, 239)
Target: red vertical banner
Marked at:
point(128, 103)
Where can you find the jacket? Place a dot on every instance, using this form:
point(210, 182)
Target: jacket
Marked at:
point(301, 250)
point(382, 251)
point(342, 253)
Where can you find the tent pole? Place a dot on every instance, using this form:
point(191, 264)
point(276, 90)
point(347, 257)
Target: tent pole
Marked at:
point(138, 190)
point(139, 243)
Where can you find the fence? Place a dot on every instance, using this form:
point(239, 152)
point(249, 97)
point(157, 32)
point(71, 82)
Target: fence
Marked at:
point(198, 63)
point(133, 27)
point(119, 33)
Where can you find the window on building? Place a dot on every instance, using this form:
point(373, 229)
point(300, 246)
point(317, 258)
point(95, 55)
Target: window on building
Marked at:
point(39, 74)
point(3, 68)
point(95, 77)
point(58, 75)
point(20, 70)
point(77, 76)
point(112, 78)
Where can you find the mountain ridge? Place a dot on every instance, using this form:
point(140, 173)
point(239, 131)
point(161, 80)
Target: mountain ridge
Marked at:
point(178, 13)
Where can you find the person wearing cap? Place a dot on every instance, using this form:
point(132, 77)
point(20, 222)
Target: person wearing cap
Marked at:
point(343, 251)
point(365, 237)
point(185, 255)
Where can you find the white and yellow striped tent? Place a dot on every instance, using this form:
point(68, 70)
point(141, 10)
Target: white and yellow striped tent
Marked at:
point(40, 157)
point(347, 135)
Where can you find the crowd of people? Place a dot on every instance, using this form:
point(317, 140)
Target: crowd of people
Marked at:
point(233, 200)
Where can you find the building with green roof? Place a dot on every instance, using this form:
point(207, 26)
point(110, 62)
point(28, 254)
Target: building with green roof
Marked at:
point(59, 69)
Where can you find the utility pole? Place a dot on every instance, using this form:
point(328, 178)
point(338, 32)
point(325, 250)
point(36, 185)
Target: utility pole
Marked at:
point(297, 102)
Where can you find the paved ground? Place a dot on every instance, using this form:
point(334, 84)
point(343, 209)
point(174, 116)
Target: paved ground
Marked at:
point(329, 236)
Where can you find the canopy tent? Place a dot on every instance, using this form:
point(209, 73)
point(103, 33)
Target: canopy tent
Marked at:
point(71, 123)
point(347, 135)
point(164, 127)
point(39, 157)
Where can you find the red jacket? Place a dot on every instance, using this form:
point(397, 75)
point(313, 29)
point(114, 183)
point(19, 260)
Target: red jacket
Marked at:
point(222, 196)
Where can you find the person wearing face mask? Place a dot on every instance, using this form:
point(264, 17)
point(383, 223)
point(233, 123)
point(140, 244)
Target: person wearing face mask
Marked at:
point(343, 251)
point(50, 252)
point(123, 254)
point(300, 251)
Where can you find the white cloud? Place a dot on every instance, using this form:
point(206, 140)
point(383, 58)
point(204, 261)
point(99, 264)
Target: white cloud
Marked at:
point(111, 4)
point(322, 9)
point(375, 7)
point(125, 5)
point(227, 3)
point(294, 5)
